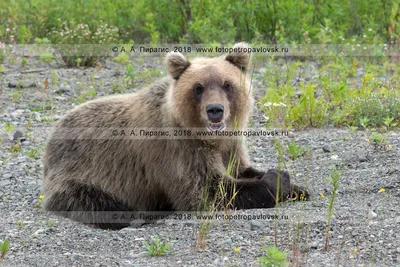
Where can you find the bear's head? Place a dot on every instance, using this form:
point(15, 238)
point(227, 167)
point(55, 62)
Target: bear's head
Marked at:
point(210, 93)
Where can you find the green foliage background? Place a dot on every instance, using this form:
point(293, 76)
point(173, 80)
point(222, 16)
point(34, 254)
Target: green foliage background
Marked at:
point(206, 21)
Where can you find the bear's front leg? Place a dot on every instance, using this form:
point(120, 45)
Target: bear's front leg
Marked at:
point(287, 189)
point(264, 192)
point(250, 172)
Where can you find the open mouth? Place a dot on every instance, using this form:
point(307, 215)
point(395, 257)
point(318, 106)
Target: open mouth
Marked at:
point(215, 126)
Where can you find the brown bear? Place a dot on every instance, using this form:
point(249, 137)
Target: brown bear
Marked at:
point(86, 173)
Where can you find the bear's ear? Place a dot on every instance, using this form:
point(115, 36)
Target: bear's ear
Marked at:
point(241, 57)
point(176, 64)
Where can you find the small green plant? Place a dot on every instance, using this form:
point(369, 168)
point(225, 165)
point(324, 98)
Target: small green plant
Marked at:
point(273, 257)
point(24, 63)
point(16, 96)
point(37, 108)
point(334, 180)
point(388, 121)
point(379, 141)
point(20, 224)
point(130, 73)
point(78, 62)
point(91, 92)
point(9, 127)
point(33, 153)
point(295, 151)
point(48, 119)
point(54, 78)
point(118, 88)
point(39, 203)
point(123, 59)
point(50, 222)
point(47, 57)
point(47, 106)
point(364, 122)
point(15, 148)
point(157, 247)
point(29, 123)
point(42, 41)
point(3, 249)
point(80, 99)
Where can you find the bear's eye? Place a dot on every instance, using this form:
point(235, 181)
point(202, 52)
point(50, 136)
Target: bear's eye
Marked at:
point(198, 89)
point(227, 87)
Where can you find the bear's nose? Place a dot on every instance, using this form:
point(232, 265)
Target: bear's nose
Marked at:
point(215, 112)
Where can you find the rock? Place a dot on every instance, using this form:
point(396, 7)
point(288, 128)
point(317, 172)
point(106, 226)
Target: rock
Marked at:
point(4, 182)
point(7, 175)
point(226, 243)
point(25, 143)
point(304, 248)
point(141, 254)
point(255, 225)
point(64, 89)
point(372, 215)
point(18, 135)
point(21, 84)
point(17, 112)
point(190, 223)
point(326, 149)
point(362, 158)
point(37, 116)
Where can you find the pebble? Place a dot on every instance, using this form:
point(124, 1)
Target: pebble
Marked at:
point(225, 243)
point(372, 215)
point(7, 175)
point(21, 84)
point(4, 182)
point(255, 225)
point(64, 89)
point(362, 158)
point(326, 149)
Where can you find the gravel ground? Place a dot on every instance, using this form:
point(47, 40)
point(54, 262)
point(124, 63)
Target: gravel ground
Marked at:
point(364, 229)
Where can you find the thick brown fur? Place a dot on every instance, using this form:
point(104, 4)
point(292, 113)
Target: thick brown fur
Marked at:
point(106, 174)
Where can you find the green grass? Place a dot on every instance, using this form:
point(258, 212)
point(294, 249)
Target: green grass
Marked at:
point(123, 59)
point(4, 246)
point(273, 257)
point(334, 181)
point(161, 21)
point(334, 98)
point(47, 58)
point(50, 223)
point(9, 127)
point(295, 151)
point(34, 153)
point(15, 149)
point(157, 247)
point(16, 96)
point(20, 224)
